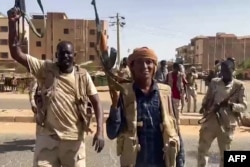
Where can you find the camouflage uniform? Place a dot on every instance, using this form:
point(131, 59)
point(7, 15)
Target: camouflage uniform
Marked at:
point(212, 129)
point(191, 88)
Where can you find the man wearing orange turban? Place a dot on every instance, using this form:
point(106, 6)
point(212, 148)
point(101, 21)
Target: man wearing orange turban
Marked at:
point(140, 120)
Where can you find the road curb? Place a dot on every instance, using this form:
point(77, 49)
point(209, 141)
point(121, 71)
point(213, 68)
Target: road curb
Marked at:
point(30, 119)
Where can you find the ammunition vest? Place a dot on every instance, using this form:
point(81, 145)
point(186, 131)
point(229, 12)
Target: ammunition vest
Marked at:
point(127, 141)
point(47, 87)
point(180, 85)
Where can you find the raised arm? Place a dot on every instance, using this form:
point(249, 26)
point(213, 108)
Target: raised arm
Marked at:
point(15, 49)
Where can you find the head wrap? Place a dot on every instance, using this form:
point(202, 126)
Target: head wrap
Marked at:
point(229, 63)
point(142, 52)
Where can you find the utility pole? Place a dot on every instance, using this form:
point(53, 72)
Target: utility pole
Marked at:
point(244, 49)
point(119, 22)
point(215, 47)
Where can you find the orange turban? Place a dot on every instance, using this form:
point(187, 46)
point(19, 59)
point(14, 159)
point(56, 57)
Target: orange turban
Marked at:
point(142, 52)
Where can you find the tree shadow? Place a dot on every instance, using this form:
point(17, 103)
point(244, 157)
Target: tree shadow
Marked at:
point(17, 145)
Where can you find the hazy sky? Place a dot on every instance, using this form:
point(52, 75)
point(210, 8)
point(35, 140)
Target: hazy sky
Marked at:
point(160, 24)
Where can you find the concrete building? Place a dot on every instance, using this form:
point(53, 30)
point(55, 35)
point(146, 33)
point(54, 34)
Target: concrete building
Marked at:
point(82, 33)
point(5, 57)
point(204, 50)
point(4, 47)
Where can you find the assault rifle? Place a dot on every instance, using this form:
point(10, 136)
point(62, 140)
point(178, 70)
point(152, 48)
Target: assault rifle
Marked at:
point(21, 7)
point(216, 109)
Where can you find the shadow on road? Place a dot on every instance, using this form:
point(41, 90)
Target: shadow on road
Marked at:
point(244, 129)
point(214, 157)
point(17, 145)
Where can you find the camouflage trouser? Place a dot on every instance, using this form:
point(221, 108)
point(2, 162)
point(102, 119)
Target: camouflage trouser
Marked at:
point(191, 93)
point(177, 108)
point(182, 101)
point(208, 132)
point(51, 152)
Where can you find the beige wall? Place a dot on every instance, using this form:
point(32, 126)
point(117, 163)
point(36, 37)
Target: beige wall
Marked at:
point(82, 33)
point(211, 48)
point(4, 47)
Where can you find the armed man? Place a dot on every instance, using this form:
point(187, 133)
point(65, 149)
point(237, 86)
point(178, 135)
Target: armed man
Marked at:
point(65, 90)
point(221, 106)
point(124, 71)
point(161, 73)
point(191, 86)
point(143, 120)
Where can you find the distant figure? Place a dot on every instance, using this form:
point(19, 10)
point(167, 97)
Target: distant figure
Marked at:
point(2, 81)
point(161, 73)
point(191, 88)
point(14, 83)
point(217, 68)
point(124, 71)
point(176, 80)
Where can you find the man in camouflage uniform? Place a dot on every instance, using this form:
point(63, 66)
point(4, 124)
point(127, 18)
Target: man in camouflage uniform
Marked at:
point(224, 101)
point(161, 73)
point(61, 138)
point(183, 71)
point(191, 86)
point(124, 71)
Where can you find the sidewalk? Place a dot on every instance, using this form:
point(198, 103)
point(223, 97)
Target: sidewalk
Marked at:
point(26, 116)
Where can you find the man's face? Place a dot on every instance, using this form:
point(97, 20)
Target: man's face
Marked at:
point(143, 68)
point(65, 56)
point(164, 66)
point(226, 72)
point(176, 68)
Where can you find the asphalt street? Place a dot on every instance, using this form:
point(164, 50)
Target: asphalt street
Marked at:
point(23, 104)
point(15, 149)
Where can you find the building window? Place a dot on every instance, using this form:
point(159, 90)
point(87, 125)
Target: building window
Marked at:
point(92, 44)
point(3, 29)
point(92, 57)
point(3, 41)
point(4, 55)
point(43, 56)
point(38, 43)
point(66, 31)
point(92, 32)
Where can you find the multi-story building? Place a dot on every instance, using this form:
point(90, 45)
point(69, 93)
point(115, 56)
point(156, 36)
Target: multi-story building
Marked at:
point(5, 57)
point(207, 49)
point(82, 33)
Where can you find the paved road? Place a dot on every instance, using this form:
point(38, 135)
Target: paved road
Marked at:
point(23, 104)
point(15, 149)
